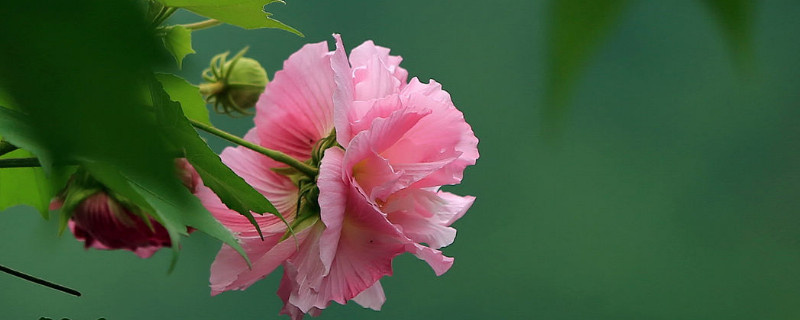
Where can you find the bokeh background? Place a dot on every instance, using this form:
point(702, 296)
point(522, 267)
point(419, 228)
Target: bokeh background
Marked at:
point(668, 187)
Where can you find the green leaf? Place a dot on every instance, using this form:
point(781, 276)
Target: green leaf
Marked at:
point(24, 186)
point(178, 41)
point(16, 127)
point(736, 20)
point(576, 28)
point(231, 189)
point(82, 104)
point(248, 14)
point(158, 197)
point(187, 95)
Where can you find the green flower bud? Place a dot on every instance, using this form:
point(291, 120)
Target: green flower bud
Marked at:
point(233, 85)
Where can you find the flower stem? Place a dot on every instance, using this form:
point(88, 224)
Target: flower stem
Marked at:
point(163, 15)
point(272, 154)
point(40, 281)
point(207, 89)
point(19, 163)
point(202, 24)
point(6, 147)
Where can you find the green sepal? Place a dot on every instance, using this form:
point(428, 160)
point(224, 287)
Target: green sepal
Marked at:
point(72, 200)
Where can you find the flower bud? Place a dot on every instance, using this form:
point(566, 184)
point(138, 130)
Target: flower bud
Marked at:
point(233, 85)
point(104, 222)
point(103, 219)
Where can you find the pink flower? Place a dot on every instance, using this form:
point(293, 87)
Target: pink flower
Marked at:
point(378, 188)
point(107, 222)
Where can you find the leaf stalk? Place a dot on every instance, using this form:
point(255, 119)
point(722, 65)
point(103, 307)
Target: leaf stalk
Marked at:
point(6, 147)
point(272, 154)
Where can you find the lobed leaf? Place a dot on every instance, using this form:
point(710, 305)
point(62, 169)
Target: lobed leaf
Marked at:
point(187, 95)
point(24, 186)
point(178, 41)
point(232, 189)
point(248, 14)
point(83, 105)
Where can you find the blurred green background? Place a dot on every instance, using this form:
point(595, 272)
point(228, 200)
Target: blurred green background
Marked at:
point(668, 189)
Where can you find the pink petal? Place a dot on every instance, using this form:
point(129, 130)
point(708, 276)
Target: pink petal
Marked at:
point(254, 168)
point(296, 109)
point(285, 290)
point(441, 136)
point(425, 216)
point(307, 269)
point(146, 252)
point(229, 271)
point(375, 173)
point(365, 247)
point(368, 51)
point(343, 94)
point(438, 262)
point(373, 79)
point(332, 203)
point(363, 113)
point(372, 298)
point(374, 75)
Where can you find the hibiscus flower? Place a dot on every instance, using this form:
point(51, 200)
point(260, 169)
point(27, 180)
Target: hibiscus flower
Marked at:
point(384, 148)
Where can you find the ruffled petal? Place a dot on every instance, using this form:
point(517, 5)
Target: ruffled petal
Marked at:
point(365, 247)
point(285, 290)
point(365, 161)
point(440, 136)
point(372, 298)
point(332, 203)
point(438, 262)
point(425, 216)
point(371, 74)
point(296, 109)
point(229, 271)
point(362, 55)
point(343, 93)
point(254, 168)
point(372, 77)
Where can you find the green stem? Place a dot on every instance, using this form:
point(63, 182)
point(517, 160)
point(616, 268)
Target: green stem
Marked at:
point(273, 154)
point(202, 24)
point(39, 281)
point(208, 89)
point(6, 147)
point(163, 15)
point(19, 163)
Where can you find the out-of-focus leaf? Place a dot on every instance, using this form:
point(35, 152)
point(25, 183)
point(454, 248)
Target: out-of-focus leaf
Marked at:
point(576, 28)
point(232, 189)
point(187, 95)
point(248, 14)
point(168, 201)
point(82, 101)
point(736, 20)
point(82, 104)
point(15, 127)
point(178, 41)
point(24, 186)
